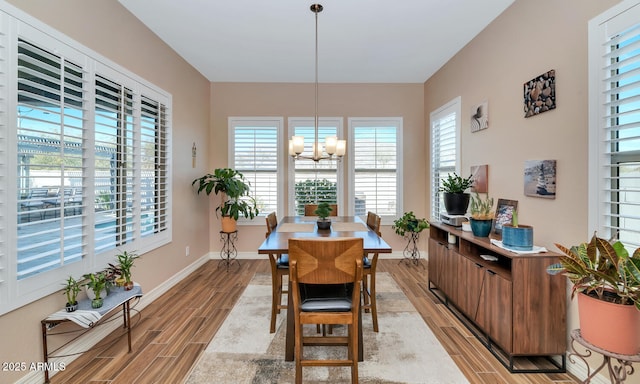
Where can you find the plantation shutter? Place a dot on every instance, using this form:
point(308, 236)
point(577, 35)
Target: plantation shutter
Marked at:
point(444, 153)
point(50, 111)
point(619, 128)
point(255, 155)
point(375, 153)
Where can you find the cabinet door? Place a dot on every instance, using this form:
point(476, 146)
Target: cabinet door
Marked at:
point(499, 298)
point(471, 298)
point(450, 275)
point(437, 252)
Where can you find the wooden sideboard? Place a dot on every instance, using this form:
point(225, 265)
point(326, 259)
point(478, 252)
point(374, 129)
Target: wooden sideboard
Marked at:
point(511, 304)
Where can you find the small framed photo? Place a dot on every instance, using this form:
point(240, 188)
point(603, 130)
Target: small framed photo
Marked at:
point(504, 214)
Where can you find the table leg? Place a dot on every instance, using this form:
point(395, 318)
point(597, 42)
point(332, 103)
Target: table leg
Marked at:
point(128, 322)
point(45, 351)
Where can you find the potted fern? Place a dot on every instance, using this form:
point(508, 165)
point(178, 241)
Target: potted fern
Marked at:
point(235, 199)
point(606, 281)
point(481, 218)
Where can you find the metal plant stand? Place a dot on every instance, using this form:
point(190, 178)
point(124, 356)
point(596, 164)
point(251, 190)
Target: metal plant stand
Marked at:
point(617, 371)
point(228, 253)
point(411, 252)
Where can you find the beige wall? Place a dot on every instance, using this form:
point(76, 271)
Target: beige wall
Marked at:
point(528, 39)
point(120, 37)
point(334, 100)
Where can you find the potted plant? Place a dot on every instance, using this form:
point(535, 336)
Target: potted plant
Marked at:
point(71, 290)
point(517, 236)
point(234, 191)
point(409, 227)
point(456, 200)
point(125, 263)
point(323, 211)
point(481, 215)
point(97, 283)
point(606, 280)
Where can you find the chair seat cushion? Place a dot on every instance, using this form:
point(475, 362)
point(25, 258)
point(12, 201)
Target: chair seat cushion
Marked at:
point(326, 297)
point(283, 261)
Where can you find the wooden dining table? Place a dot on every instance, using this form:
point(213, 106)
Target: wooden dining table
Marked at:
point(305, 227)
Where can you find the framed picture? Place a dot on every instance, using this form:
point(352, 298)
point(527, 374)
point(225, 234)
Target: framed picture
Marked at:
point(540, 178)
point(480, 179)
point(480, 116)
point(504, 213)
point(540, 94)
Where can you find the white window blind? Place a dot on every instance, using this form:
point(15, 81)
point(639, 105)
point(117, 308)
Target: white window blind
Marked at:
point(50, 111)
point(255, 154)
point(615, 133)
point(314, 182)
point(376, 168)
point(444, 150)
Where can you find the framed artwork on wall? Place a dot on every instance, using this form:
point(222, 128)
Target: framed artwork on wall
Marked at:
point(540, 178)
point(479, 174)
point(504, 214)
point(540, 94)
point(480, 116)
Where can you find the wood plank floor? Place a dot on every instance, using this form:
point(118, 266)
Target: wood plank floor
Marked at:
point(172, 331)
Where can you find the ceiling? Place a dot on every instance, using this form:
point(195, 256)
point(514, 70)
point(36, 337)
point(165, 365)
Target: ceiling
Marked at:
point(359, 41)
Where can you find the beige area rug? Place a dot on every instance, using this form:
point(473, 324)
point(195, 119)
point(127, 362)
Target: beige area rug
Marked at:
point(404, 351)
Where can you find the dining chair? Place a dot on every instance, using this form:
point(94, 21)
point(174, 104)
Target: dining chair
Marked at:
point(369, 269)
point(279, 268)
point(309, 209)
point(325, 283)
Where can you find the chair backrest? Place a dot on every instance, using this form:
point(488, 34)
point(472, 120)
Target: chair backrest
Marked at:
point(373, 222)
point(272, 223)
point(309, 209)
point(325, 260)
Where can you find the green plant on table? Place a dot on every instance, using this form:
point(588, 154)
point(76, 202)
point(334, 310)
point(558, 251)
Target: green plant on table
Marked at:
point(455, 183)
point(481, 209)
point(323, 210)
point(71, 290)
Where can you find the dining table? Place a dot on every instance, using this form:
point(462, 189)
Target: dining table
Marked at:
point(305, 227)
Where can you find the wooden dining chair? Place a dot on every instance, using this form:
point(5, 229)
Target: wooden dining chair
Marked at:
point(309, 209)
point(369, 269)
point(325, 283)
point(279, 268)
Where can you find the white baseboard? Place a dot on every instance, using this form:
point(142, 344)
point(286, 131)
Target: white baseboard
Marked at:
point(94, 336)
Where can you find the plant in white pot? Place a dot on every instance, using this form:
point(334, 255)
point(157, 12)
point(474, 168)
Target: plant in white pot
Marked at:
point(234, 191)
point(606, 281)
point(456, 199)
point(482, 214)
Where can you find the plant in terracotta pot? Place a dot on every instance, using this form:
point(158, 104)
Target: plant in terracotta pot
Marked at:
point(456, 200)
point(323, 211)
point(71, 290)
point(126, 261)
point(517, 236)
point(234, 190)
point(606, 281)
point(481, 215)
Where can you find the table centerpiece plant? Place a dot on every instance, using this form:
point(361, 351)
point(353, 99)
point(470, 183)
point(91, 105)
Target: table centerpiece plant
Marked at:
point(323, 211)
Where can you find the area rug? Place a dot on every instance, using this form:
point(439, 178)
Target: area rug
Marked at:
point(404, 351)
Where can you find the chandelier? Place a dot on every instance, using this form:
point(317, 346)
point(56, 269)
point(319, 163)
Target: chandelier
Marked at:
point(333, 148)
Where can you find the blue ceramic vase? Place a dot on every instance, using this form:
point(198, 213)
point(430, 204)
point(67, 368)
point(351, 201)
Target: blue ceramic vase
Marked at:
point(480, 228)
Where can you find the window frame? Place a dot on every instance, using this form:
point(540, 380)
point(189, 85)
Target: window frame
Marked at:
point(278, 122)
point(15, 293)
point(374, 122)
point(454, 106)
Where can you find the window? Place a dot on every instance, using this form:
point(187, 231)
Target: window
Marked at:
point(374, 185)
point(85, 165)
point(254, 144)
point(614, 125)
point(314, 182)
point(445, 150)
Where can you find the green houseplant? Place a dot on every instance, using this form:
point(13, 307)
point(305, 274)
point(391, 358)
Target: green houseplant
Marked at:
point(409, 227)
point(234, 190)
point(126, 261)
point(323, 211)
point(606, 281)
point(481, 215)
point(456, 200)
point(97, 283)
point(71, 290)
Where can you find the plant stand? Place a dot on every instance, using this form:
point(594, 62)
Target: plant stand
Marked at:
point(411, 252)
point(228, 253)
point(617, 371)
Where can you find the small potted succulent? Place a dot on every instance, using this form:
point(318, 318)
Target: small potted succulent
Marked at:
point(456, 200)
point(71, 290)
point(323, 211)
point(481, 215)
